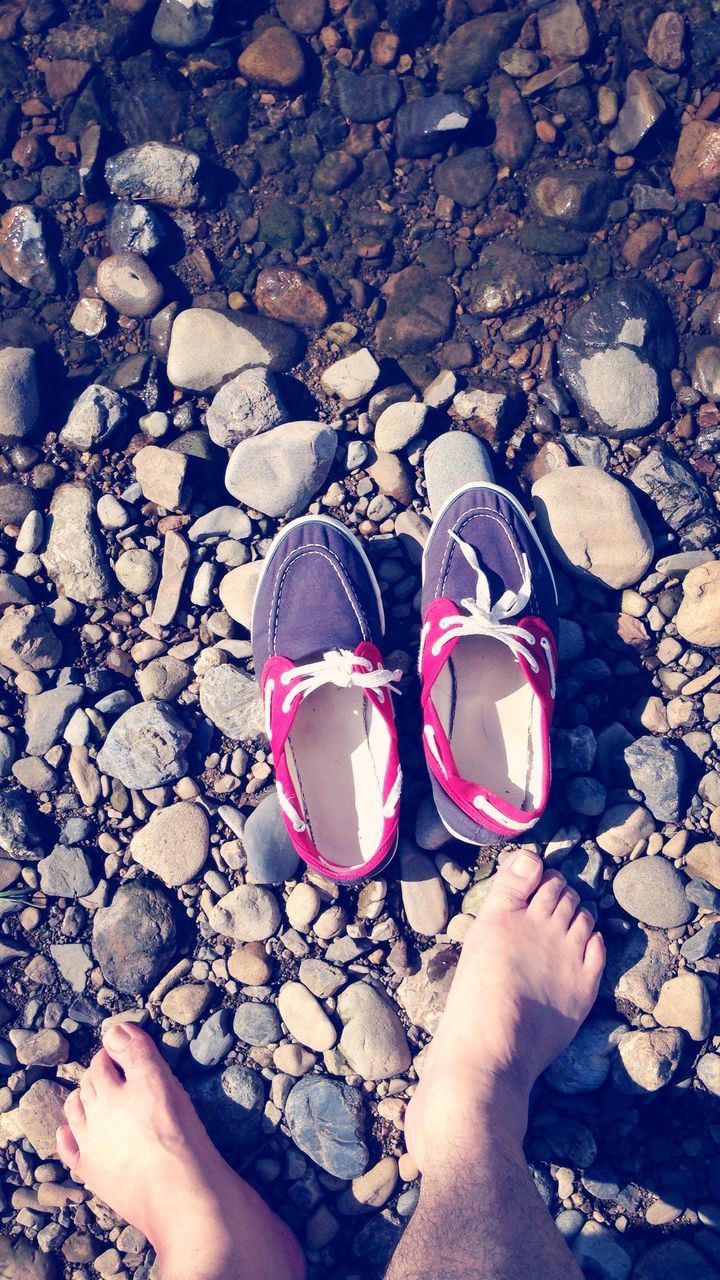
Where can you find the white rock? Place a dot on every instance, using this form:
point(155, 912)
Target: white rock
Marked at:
point(245, 406)
point(161, 475)
point(136, 570)
point(237, 591)
point(305, 1017)
point(352, 378)
point(399, 424)
point(206, 347)
point(593, 525)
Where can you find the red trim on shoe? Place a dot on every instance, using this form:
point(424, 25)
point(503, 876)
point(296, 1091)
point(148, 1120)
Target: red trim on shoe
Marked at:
point(483, 806)
point(277, 680)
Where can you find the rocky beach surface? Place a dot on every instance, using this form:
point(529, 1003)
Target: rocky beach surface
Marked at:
point(268, 259)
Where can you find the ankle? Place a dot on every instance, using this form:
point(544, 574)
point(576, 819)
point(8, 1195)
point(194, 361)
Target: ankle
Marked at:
point(469, 1115)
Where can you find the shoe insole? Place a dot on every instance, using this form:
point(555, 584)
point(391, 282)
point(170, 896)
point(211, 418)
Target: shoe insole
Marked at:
point(336, 753)
point(488, 711)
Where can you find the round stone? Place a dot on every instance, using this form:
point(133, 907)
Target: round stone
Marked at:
point(136, 570)
point(237, 591)
point(246, 914)
point(250, 965)
point(647, 1060)
point(684, 1002)
point(274, 61)
point(187, 1004)
point(174, 844)
point(593, 525)
point(126, 282)
point(399, 424)
point(373, 1039)
point(653, 891)
point(257, 1024)
point(698, 618)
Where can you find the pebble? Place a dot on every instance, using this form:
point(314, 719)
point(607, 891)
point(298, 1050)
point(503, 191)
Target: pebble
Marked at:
point(623, 828)
point(213, 1041)
point(469, 55)
point(27, 641)
point(128, 285)
point(174, 844)
point(206, 347)
point(136, 570)
point(275, 60)
point(642, 108)
point(96, 414)
point(695, 173)
point(698, 618)
point(423, 893)
point(423, 994)
point(237, 591)
point(231, 700)
point(352, 378)
point(134, 938)
point(187, 1004)
point(156, 172)
point(684, 1002)
point(708, 1072)
point(245, 406)
point(19, 395)
point(134, 228)
point(183, 24)
point(373, 1040)
point(703, 862)
point(250, 965)
point(615, 354)
point(326, 1121)
point(74, 556)
point(246, 914)
point(221, 522)
point(372, 1189)
point(271, 856)
point(41, 1114)
point(19, 835)
point(230, 1104)
point(161, 475)
point(657, 769)
point(420, 313)
point(585, 1065)
point(452, 460)
point(66, 873)
point(652, 890)
point(593, 525)
point(145, 747)
point(291, 296)
point(665, 41)
point(257, 1024)
point(280, 471)
point(398, 425)
point(47, 715)
point(24, 253)
point(305, 1017)
point(647, 1060)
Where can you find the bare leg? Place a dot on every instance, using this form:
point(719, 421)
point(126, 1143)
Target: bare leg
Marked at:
point(527, 978)
point(133, 1137)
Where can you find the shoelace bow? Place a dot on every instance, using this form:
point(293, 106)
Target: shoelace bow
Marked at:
point(482, 618)
point(338, 667)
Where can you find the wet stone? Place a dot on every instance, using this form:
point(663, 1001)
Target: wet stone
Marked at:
point(665, 41)
point(23, 250)
point(641, 109)
point(696, 169)
point(466, 178)
point(180, 24)
point(574, 198)
point(290, 296)
point(470, 54)
point(275, 60)
point(515, 135)
point(506, 280)
point(420, 313)
point(326, 1121)
point(156, 172)
point(615, 354)
point(368, 97)
point(134, 228)
point(425, 125)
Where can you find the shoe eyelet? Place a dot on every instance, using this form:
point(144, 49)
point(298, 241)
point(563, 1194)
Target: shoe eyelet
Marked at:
point(286, 677)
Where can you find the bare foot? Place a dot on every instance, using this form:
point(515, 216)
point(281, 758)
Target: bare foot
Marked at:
point(527, 978)
point(133, 1137)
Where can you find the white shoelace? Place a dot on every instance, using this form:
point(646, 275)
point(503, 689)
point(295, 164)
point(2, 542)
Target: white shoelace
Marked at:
point(338, 667)
point(485, 619)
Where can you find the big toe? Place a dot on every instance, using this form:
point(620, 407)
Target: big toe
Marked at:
point(516, 880)
point(132, 1050)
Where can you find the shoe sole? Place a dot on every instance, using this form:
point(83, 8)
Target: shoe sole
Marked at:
point(485, 485)
point(332, 523)
point(519, 510)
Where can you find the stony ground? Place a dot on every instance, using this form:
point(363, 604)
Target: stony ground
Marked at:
point(391, 227)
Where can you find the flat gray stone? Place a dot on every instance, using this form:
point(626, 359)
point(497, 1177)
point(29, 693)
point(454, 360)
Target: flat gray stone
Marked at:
point(271, 856)
point(452, 460)
point(47, 715)
point(19, 398)
point(280, 471)
point(653, 891)
point(231, 699)
point(326, 1121)
point(146, 746)
point(134, 938)
point(74, 556)
point(66, 873)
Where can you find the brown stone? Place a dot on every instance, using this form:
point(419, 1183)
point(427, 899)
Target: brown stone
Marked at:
point(41, 1114)
point(665, 41)
point(698, 618)
point(288, 295)
point(303, 16)
point(393, 477)
point(64, 76)
point(420, 313)
point(514, 130)
point(642, 244)
point(23, 253)
point(696, 169)
point(275, 60)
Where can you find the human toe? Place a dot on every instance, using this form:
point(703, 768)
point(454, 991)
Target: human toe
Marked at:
point(567, 905)
point(516, 880)
point(131, 1049)
point(67, 1148)
point(581, 929)
point(103, 1074)
point(75, 1111)
point(594, 961)
point(547, 895)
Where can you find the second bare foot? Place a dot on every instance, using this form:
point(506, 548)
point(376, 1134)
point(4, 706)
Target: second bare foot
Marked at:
point(527, 978)
point(133, 1137)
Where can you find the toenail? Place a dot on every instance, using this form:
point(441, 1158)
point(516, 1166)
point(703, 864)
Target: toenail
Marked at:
point(117, 1037)
point(522, 864)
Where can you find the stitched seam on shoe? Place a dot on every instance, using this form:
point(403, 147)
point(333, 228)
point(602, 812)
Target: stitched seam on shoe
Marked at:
point(336, 564)
point(507, 530)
